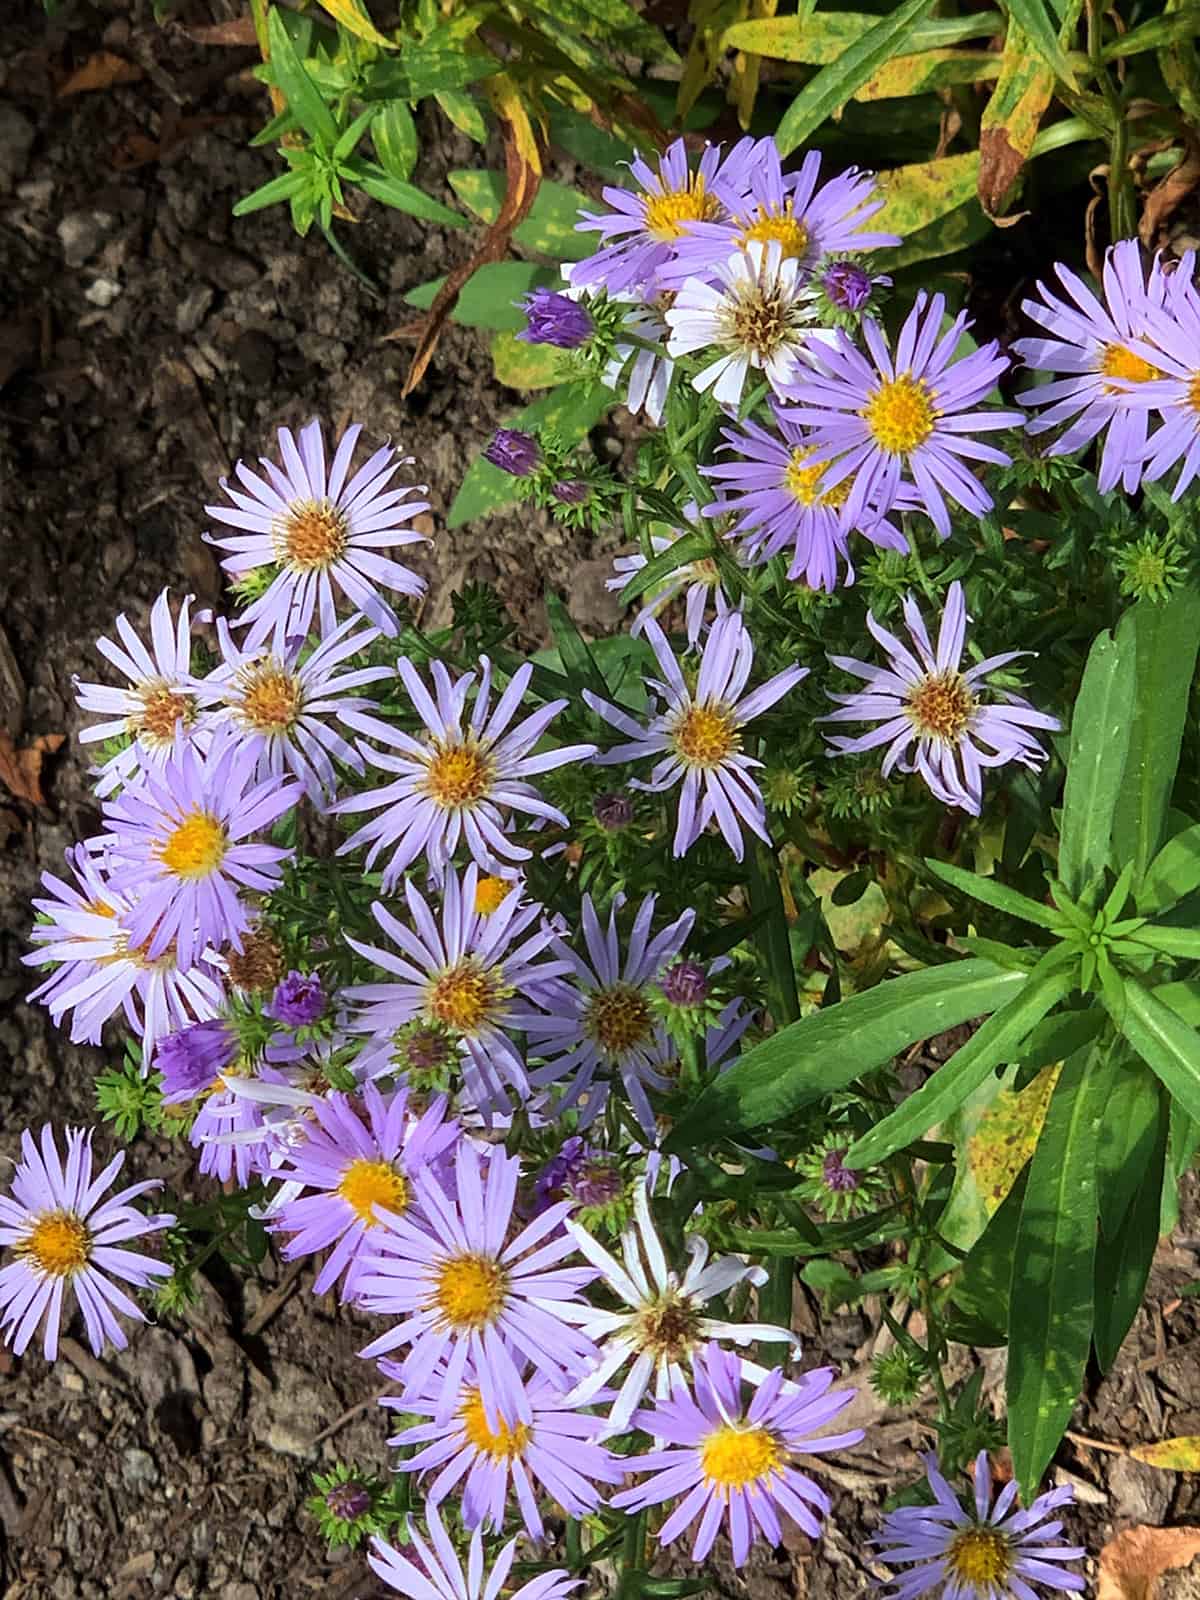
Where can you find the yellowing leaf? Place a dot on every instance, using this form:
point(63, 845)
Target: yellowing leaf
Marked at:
point(352, 16)
point(916, 195)
point(929, 69)
point(1172, 1455)
point(506, 100)
point(525, 366)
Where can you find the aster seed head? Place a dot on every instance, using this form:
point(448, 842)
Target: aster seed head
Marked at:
point(1151, 568)
point(898, 1376)
point(837, 1191)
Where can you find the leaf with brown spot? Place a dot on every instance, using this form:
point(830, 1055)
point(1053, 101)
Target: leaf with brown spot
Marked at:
point(1132, 1563)
point(1181, 1454)
point(100, 71)
point(21, 770)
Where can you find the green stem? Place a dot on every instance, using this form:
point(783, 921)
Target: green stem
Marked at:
point(1121, 221)
point(633, 1556)
point(772, 935)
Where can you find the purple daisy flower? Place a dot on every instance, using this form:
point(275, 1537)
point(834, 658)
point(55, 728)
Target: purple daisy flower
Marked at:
point(926, 698)
point(699, 735)
point(471, 975)
point(281, 706)
point(159, 702)
point(1175, 390)
point(364, 1155)
point(729, 1460)
point(641, 233)
point(320, 530)
point(805, 220)
point(99, 966)
point(555, 319)
point(545, 1444)
point(907, 417)
point(464, 1293)
point(299, 1001)
point(179, 842)
point(697, 581)
point(781, 500)
point(440, 1575)
point(200, 1064)
point(990, 1553)
point(65, 1235)
point(601, 1025)
point(452, 783)
point(1094, 345)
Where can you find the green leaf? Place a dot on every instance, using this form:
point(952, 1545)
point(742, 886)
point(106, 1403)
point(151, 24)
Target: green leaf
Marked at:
point(1173, 873)
point(1155, 33)
point(394, 135)
point(464, 114)
point(550, 225)
point(581, 670)
point(1054, 1263)
point(688, 547)
point(982, 1284)
point(1095, 768)
point(833, 85)
point(1183, 998)
point(285, 187)
point(435, 66)
point(928, 72)
point(1168, 1046)
point(1034, 19)
point(995, 895)
point(490, 295)
point(1127, 1137)
point(995, 1043)
point(821, 38)
point(829, 1049)
point(1181, 942)
point(601, 152)
point(955, 231)
point(916, 195)
point(1123, 1266)
point(1164, 640)
point(519, 365)
point(401, 196)
point(300, 92)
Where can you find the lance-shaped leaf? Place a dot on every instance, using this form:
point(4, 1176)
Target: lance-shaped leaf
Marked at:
point(1173, 873)
point(1035, 22)
point(1123, 1261)
point(1096, 764)
point(1167, 1044)
point(688, 547)
point(303, 96)
point(996, 895)
point(820, 38)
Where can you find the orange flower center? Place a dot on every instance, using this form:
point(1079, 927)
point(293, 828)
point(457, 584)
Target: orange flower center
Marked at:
point(706, 735)
point(668, 214)
point(941, 706)
point(312, 536)
point(617, 1018)
point(900, 414)
point(272, 697)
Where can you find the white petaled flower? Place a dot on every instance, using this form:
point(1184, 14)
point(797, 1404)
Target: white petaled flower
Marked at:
point(665, 1327)
point(756, 314)
point(698, 581)
point(158, 702)
point(643, 369)
point(282, 707)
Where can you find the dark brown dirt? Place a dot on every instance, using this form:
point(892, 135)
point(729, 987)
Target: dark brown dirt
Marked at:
point(146, 341)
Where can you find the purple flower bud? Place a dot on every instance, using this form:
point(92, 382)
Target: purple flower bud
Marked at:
point(555, 319)
point(685, 984)
point(837, 1177)
point(613, 811)
point(558, 1171)
point(572, 491)
point(192, 1059)
point(599, 1184)
point(346, 1501)
point(847, 285)
point(299, 1000)
point(513, 451)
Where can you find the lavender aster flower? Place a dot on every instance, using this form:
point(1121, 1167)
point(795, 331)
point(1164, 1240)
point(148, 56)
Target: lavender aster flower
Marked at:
point(555, 319)
point(440, 1575)
point(1174, 388)
point(322, 528)
point(65, 1235)
point(699, 735)
point(513, 451)
point(729, 1460)
point(781, 497)
point(299, 1001)
point(989, 1553)
point(452, 783)
point(925, 698)
point(545, 1444)
point(601, 1025)
point(464, 1293)
point(478, 974)
point(159, 702)
point(1095, 347)
point(179, 841)
point(282, 705)
point(699, 582)
point(905, 417)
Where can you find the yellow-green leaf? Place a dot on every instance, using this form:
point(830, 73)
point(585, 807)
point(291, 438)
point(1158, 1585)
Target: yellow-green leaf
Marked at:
point(818, 40)
point(931, 69)
point(916, 195)
point(352, 16)
point(550, 225)
point(525, 366)
point(1014, 112)
point(1181, 1454)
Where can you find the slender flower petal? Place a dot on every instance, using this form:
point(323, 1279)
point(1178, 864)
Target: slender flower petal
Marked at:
point(440, 1574)
point(698, 582)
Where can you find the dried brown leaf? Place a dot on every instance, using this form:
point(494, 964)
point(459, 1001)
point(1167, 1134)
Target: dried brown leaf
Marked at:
point(1132, 1562)
point(999, 168)
point(238, 31)
point(1168, 195)
point(21, 770)
point(100, 71)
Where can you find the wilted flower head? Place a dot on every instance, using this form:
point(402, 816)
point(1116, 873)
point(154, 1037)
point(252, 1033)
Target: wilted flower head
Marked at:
point(299, 1000)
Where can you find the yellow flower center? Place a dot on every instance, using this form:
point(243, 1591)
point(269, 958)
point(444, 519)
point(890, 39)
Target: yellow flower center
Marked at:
point(163, 709)
point(803, 482)
point(312, 536)
point(617, 1018)
point(490, 895)
point(458, 776)
point(59, 1244)
point(367, 1184)
point(1118, 362)
point(465, 996)
point(196, 847)
point(271, 697)
point(706, 735)
point(670, 1327)
point(1193, 397)
point(980, 1556)
point(469, 1291)
point(941, 706)
point(901, 414)
point(668, 213)
point(732, 1457)
point(502, 1445)
point(780, 227)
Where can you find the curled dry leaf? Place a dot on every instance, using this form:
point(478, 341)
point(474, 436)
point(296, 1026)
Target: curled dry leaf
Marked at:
point(21, 770)
point(1168, 195)
point(100, 71)
point(1132, 1563)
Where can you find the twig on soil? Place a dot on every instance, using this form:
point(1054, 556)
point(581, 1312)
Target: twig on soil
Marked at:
point(1096, 1444)
point(347, 1416)
point(1150, 1362)
point(274, 1301)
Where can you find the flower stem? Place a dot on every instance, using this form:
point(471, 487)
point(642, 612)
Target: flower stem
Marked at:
point(772, 934)
point(633, 1556)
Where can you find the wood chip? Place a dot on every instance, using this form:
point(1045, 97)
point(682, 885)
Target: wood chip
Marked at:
point(100, 71)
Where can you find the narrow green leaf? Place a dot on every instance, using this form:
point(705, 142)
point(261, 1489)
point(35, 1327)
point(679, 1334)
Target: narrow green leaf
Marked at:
point(578, 663)
point(550, 225)
point(394, 135)
point(827, 1050)
point(1155, 33)
point(833, 85)
point(1054, 1263)
point(1164, 640)
point(1096, 765)
point(995, 1043)
point(1182, 998)
point(1168, 1046)
point(820, 39)
point(982, 1284)
point(300, 92)
point(401, 196)
point(995, 895)
point(1127, 1137)
point(1173, 873)
point(1181, 942)
point(688, 547)
point(434, 67)
point(1043, 36)
point(285, 187)
point(464, 114)
point(1123, 1265)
